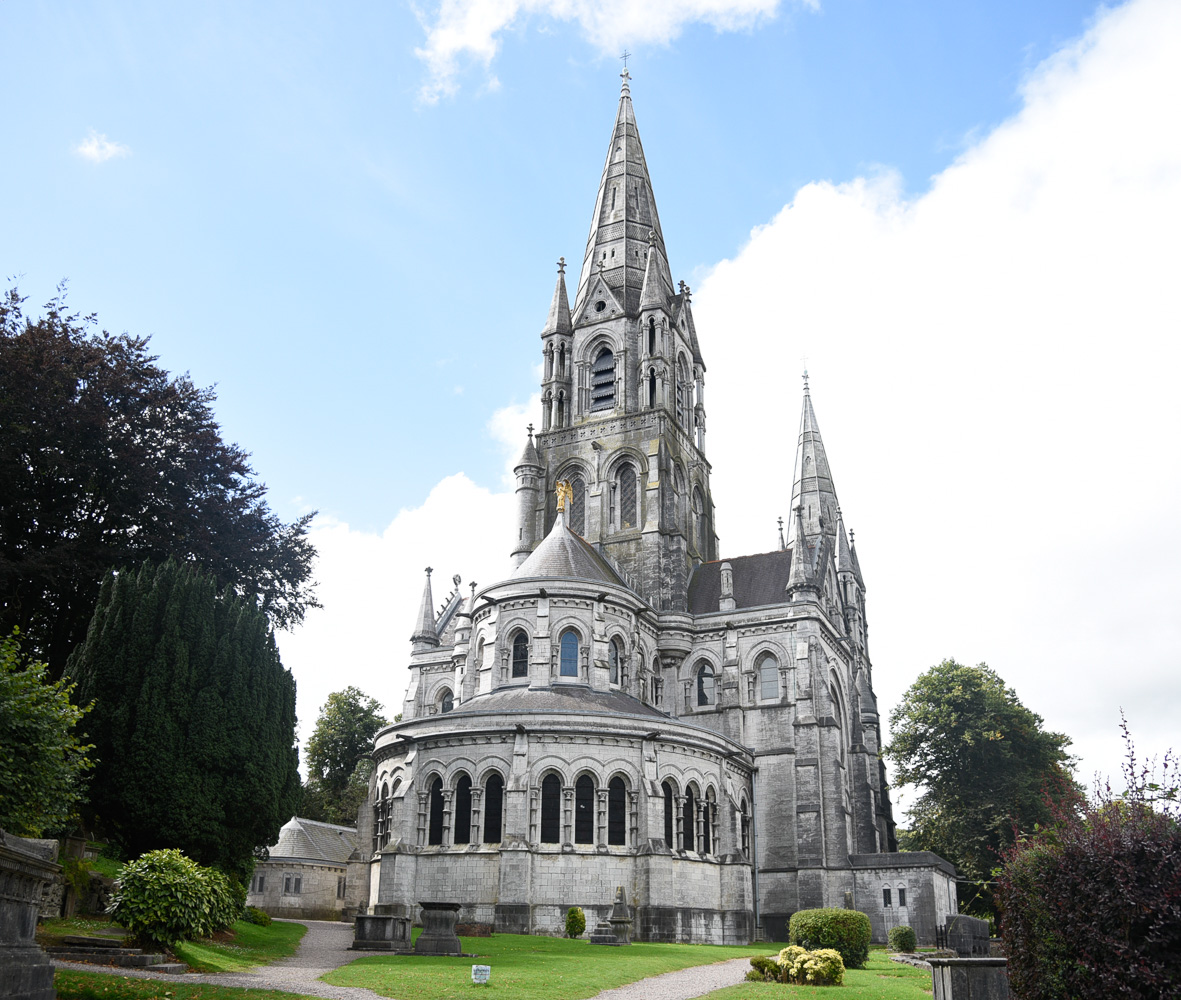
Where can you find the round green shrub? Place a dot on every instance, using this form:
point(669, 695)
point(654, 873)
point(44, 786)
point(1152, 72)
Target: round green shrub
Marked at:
point(575, 922)
point(763, 969)
point(254, 915)
point(902, 938)
point(163, 898)
point(845, 931)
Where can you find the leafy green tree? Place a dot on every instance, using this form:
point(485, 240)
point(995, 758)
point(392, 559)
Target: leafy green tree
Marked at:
point(986, 767)
point(107, 460)
point(42, 764)
point(193, 719)
point(337, 756)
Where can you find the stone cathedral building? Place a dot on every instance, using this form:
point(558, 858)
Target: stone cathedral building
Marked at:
point(626, 708)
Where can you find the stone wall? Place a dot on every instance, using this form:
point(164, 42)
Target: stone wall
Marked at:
point(317, 898)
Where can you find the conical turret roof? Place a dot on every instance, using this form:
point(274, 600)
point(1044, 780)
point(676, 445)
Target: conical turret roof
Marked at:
point(812, 486)
point(558, 320)
point(425, 632)
point(564, 555)
point(625, 211)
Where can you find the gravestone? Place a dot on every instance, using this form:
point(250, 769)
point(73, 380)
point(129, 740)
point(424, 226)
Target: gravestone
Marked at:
point(970, 978)
point(382, 930)
point(26, 972)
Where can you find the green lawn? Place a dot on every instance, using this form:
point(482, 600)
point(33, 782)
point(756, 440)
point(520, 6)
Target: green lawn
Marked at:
point(52, 931)
point(881, 979)
point(250, 946)
point(72, 985)
point(527, 967)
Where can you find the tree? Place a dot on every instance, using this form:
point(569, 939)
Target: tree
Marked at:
point(986, 767)
point(106, 460)
point(43, 763)
point(193, 720)
point(337, 756)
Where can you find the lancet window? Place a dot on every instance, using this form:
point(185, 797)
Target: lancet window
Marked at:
point(668, 815)
point(551, 809)
point(584, 810)
point(463, 810)
point(768, 670)
point(689, 820)
point(706, 689)
point(493, 808)
point(577, 513)
point(520, 654)
point(614, 655)
point(569, 654)
point(616, 812)
point(626, 479)
point(435, 827)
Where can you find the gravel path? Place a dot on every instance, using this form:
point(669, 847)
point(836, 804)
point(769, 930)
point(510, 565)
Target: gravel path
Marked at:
point(682, 985)
point(325, 947)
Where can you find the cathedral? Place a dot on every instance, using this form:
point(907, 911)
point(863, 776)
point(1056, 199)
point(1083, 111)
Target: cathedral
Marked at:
point(627, 708)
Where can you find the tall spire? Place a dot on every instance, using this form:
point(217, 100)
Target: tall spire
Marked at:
point(625, 210)
point(558, 320)
point(651, 293)
point(425, 635)
point(812, 487)
point(800, 577)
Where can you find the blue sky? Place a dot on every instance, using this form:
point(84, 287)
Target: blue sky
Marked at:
point(964, 215)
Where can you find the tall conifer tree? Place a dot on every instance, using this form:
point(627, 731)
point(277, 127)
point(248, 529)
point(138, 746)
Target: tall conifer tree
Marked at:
point(193, 720)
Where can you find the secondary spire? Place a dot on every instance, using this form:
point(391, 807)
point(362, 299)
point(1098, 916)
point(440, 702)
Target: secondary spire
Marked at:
point(812, 486)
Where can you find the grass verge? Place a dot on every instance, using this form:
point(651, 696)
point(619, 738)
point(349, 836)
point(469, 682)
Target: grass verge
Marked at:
point(71, 985)
point(244, 946)
point(526, 967)
point(881, 979)
point(52, 931)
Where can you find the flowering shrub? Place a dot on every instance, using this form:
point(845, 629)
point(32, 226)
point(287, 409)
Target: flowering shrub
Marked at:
point(902, 938)
point(799, 966)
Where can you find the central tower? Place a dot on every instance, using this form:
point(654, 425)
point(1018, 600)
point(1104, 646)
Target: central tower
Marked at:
point(623, 411)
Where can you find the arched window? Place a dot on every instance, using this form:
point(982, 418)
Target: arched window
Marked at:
point(679, 495)
point(576, 517)
point(446, 700)
point(584, 810)
point(705, 685)
point(569, 653)
point(668, 815)
point(520, 654)
point(493, 808)
point(626, 477)
point(561, 360)
point(744, 827)
point(651, 335)
point(683, 392)
point(463, 810)
point(699, 519)
point(547, 411)
point(380, 814)
point(651, 388)
point(549, 361)
point(617, 812)
point(560, 413)
point(614, 655)
point(768, 669)
point(435, 830)
point(689, 819)
point(551, 809)
point(603, 381)
point(709, 818)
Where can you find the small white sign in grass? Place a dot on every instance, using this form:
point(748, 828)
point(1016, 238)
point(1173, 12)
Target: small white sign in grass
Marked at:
point(481, 973)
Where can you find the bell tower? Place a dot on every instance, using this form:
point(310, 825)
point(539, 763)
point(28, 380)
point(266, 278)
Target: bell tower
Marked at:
point(623, 407)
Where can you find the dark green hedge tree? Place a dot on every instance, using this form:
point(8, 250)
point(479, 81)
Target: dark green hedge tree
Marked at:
point(108, 460)
point(193, 720)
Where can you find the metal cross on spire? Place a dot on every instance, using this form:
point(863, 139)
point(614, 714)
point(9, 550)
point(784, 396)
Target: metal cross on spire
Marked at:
point(625, 75)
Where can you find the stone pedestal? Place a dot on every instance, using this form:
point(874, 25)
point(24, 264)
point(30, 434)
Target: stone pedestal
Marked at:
point(26, 973)
point(970, 978)
point(617, 929)
point(381, 932)
point(438, 935)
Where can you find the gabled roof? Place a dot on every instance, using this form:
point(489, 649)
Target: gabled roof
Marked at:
point(310, 840)
point(758, 580)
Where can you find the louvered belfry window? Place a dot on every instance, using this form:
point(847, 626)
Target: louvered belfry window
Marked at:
point(627, 496)
point(603, 381)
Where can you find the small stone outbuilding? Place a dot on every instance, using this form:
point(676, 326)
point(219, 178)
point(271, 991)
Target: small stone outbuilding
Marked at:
point(306, 872)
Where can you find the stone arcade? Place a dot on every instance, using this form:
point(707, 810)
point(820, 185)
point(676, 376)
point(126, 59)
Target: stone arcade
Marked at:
point(625, 708)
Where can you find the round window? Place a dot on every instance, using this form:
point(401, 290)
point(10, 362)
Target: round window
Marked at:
point(600, 306)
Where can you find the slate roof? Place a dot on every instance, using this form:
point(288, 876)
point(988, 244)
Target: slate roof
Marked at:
point(562, 553)
point(515, 700)
point(310, 840)
point(758, 580)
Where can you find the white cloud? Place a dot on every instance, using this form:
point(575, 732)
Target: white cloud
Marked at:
point(459, 31)
point(994, 370)
point(97, 148)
